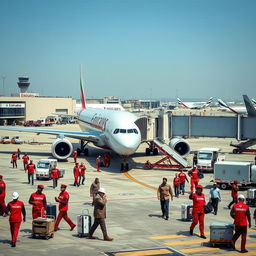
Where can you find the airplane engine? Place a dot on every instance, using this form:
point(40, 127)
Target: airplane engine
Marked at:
point(180, 145)
point(62, 148)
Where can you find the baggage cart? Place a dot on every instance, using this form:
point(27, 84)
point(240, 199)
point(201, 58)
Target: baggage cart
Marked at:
point(84, 222)
point(51, 210)
point(43, 227)
point(221, 233)
point(186, 212)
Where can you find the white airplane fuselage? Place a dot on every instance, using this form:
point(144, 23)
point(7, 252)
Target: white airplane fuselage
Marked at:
point(115, 129)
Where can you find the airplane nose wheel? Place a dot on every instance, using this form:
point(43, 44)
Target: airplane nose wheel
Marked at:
point(124, 166)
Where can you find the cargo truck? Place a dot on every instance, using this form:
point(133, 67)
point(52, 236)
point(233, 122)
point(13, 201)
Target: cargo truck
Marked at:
point(226, 172)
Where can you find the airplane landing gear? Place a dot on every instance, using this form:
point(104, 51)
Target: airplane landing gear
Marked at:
point(83, 149)
point(124, 166)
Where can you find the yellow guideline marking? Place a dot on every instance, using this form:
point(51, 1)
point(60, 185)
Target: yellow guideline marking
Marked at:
point(139, 182)
point(173, 236)
point(144, 253)
point(186, 242)
point(238, 248)
point(199, 249)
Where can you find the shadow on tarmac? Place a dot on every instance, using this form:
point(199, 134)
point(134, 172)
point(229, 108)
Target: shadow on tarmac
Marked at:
point(155, 215)
point(5, 241)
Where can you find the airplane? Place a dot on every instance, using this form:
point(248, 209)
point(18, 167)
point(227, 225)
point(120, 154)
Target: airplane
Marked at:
point(105, 128)
point(195, 105)
point(249, 109)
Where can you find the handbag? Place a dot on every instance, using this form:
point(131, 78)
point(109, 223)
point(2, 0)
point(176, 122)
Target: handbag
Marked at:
point(208, 208)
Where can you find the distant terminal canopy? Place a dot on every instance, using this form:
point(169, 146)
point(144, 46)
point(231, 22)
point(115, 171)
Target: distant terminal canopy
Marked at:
point(23, 83)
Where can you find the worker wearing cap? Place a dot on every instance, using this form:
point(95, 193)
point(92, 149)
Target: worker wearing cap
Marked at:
point(63, 199)
point(31, 167)
point(55, 175)
point(98, 160)
point(99, 213)
point(176, 185)
point(25, 161)
point(198, 210)
point(14, 160)
point(241, 214)
point(76, 174)
point(75, 156)
point(215, 197)
point(183, 178)
point(234, 194)
point(82, 169)
point(194, 175)
point(2, 195)
point(38, 200)
point(15, 209)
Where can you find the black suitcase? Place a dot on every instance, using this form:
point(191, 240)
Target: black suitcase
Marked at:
point(51, 210)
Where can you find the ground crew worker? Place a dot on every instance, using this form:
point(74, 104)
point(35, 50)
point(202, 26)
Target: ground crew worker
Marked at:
point(31, 171)
point(241, 214)
point(15, 209)
point(106, 159)
point(76, 174)
point(14, 160)
point(234, 194)
point(194, 175)
point(63, 199)
point(195, 160)
point(25, 161)
point(215, 197)
point(99, 213)
point(198, 210)
point(95, 186)
point(38, 200)
point(55, 174)
point(98, 160)
point(164, 193)
point(75, 156)
point(2, 196)
point(183, 179)
point(18, 153)
point(176, 185)
point(82, 169)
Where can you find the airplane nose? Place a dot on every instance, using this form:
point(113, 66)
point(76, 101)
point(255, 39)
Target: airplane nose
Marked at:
point(127, 146)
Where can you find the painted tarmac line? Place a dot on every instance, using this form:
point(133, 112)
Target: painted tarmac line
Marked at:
point(144, 253)
point(139, 182)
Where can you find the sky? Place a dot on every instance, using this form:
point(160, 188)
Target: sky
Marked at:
point(132, 49)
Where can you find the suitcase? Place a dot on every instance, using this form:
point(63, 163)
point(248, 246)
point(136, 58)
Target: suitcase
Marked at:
point(251, 197)
point(51, 210)
point(186, 212)
point(221, 233)
point(43, 227)
point(84, 223)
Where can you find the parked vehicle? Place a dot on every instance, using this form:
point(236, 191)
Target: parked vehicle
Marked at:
point(226, 172)
point(50, 120)
point(206, 157)
point(16, 140)
point(40, 122)
point(29, 123)
point(6, 140)
point(44, 168)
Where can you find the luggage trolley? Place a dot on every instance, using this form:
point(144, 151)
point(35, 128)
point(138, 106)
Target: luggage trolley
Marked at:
point(221, 233)
point(43, 227)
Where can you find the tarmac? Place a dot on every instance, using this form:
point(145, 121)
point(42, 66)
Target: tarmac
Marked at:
point(133, 211)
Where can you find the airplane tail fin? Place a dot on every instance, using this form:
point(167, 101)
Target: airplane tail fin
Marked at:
point(82, 90)
point(223, 104)
point(207, 103)
point(249, 106)
point(181, 103)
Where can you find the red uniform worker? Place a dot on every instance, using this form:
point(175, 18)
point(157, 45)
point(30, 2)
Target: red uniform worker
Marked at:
point(183, 178)
point(234, 194)
point(31, 171)
point(15, 209)
point(98, 160)
point(14, 160)
point(106, 159)
point(82, 169)
point(38, 200)
point(194, 175)
point(25, 161)
point(2, 196)
point(55, 175)
point(75, 156)
point(63, 208)
point(76, 174)
point(240, 213)
point(198, 210)
point(176, 185)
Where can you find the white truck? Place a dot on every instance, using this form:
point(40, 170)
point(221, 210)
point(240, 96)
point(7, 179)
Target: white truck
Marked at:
point(206, 157)
point(226, 172)
point(44, 168)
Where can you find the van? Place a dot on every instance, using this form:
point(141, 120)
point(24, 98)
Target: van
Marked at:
point(44, 168)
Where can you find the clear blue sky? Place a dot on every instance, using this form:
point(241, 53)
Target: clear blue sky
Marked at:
point(185, 48)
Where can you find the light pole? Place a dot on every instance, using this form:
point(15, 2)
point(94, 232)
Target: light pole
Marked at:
point(3, 77)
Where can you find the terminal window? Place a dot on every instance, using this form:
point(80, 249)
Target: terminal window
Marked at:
point(12, 112)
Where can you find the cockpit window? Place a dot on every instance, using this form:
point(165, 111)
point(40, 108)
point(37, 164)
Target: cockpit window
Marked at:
point(116, 131)
point(130, 131)
point(122, 131)
point(135, 131)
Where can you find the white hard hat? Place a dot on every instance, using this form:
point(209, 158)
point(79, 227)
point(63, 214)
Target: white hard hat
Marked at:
point(15, 195)
point(101, 190)
point(241, 197)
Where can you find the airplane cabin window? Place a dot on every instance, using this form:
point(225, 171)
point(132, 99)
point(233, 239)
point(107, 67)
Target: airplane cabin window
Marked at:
point(116, 131)
point(122, 131)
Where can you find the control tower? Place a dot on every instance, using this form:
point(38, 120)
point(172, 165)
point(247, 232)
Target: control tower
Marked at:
point(23, 83)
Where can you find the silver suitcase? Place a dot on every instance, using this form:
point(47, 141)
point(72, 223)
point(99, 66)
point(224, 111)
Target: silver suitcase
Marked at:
point(84, 223)
point(186, 212)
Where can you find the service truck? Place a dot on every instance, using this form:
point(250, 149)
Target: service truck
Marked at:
point(206, 157)
point(226, 172)
point(44, 168)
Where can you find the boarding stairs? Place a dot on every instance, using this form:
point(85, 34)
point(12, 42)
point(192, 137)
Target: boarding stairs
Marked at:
point(171, 159)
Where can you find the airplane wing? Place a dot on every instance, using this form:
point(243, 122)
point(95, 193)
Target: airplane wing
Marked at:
point(249, 106)
point(88, 136)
